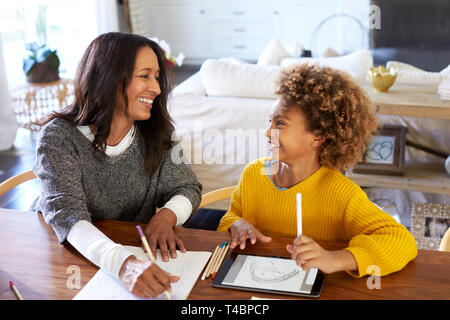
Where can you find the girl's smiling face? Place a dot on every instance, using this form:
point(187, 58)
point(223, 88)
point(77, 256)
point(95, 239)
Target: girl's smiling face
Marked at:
point(289, 139)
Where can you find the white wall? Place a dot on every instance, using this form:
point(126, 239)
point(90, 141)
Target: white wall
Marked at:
point(8, 126)
point(242, 29)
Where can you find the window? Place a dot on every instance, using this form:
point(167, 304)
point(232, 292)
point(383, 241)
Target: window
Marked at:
point(66, 26)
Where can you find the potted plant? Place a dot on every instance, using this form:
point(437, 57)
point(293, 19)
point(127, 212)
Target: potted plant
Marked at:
point(41, 64)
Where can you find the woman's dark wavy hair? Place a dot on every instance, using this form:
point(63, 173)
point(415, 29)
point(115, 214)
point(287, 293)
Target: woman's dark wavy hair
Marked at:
point(106, 67)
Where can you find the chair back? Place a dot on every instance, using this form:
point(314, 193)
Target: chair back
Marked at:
point(216, 195)
point(14, 181)
point(445, 242)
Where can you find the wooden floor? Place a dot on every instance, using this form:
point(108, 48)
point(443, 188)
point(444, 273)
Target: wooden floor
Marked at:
point(16, 160)
point(21, 158)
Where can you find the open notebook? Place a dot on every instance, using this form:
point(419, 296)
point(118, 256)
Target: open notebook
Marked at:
point(187, 265)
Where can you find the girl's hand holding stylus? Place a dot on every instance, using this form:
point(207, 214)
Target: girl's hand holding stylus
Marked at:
point(241, 230)
point(307, 253)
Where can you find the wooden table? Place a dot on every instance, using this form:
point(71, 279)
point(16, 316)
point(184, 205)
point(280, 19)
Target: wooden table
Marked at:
point(409, 100)
point(41, 268)
point(419, 176)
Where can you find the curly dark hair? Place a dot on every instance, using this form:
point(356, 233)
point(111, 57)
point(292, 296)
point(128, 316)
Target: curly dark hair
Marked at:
point(335, 108)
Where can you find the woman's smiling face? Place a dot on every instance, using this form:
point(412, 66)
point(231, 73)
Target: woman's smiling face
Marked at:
point(143, 88)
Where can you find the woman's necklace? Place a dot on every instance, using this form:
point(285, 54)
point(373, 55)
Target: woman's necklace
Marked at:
point(116, 141)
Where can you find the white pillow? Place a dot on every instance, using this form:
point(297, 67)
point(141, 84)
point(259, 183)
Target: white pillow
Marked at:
point(331, 53)
point(294, 49)
point(233, 60)
point(221, 78)
point(272, 54)
point(409, 74)
point(356, 63)
point(421, 77)
point(446, 70)
point(192, 85)
point(403, 66)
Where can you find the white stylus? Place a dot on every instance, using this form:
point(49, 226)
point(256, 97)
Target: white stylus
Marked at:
point(299, 214)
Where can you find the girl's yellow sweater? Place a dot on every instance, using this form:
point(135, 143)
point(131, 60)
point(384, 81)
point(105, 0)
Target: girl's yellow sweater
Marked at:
point(333, 208)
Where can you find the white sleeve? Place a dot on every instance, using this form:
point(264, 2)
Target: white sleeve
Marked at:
point(97, 247)
point(181, 206)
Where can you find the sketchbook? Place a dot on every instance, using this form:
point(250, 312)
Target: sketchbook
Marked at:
point(187, 265)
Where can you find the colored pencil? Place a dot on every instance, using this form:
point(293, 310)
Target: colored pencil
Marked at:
point(218, 260)
point(16, 291)
point(149, 252)
point(213, 261)
point(222, 257)
point(219, 256)
point(208, 266)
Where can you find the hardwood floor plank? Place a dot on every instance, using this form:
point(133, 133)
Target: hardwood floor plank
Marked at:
point(18, 159)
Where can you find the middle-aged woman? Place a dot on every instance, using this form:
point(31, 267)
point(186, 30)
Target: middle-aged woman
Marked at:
point(110, 155)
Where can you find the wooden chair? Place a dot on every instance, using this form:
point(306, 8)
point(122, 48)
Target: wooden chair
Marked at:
point(216, 195)
point(445, 242)
point(209, 219)
point(10, 183)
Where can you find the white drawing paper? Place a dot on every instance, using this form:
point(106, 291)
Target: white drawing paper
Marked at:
point(187, 265)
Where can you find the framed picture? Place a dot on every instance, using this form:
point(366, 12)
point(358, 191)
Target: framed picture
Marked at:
point(429, 221)
point(385, 153)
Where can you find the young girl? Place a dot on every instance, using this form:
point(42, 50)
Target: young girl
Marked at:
point(321, 125)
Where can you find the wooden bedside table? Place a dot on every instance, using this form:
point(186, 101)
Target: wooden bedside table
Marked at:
point(410, 101)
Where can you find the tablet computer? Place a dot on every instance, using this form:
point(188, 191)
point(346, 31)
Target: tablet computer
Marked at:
point(274, 275)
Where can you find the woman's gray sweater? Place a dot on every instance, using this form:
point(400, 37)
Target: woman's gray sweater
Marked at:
point(75, 185)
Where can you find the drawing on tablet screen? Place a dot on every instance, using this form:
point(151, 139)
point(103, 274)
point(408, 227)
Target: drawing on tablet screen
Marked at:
point(270, 272)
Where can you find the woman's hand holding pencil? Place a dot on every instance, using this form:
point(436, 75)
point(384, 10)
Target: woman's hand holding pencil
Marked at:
point(145, 279)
